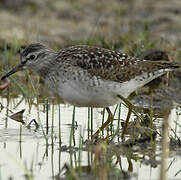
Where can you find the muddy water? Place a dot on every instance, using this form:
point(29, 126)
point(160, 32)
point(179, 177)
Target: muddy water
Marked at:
point(26, 151)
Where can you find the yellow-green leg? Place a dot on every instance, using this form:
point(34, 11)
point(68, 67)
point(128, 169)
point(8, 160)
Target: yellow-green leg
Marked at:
point(109, 120)
point(130, 106)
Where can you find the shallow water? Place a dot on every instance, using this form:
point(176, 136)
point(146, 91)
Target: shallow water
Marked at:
point(26, 151)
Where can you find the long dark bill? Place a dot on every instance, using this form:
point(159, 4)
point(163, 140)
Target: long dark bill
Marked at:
point(14, 70)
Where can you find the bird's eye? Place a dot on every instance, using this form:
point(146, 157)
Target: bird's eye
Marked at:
point(32, 57)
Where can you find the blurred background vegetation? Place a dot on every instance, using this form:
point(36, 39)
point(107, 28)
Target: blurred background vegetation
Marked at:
point(131, 26)
point(118, 24)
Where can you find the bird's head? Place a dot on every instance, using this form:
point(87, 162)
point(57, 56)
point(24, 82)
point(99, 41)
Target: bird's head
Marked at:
point(31, 58)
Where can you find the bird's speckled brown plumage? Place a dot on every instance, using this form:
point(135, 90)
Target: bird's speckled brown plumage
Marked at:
point(109, 64)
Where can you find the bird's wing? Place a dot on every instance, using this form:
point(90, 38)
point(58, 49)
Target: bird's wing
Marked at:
point(112, 65)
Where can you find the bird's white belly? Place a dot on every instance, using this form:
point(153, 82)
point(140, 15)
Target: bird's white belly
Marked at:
point(87, 96)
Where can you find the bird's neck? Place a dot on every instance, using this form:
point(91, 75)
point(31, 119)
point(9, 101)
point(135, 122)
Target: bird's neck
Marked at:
point(45, 66)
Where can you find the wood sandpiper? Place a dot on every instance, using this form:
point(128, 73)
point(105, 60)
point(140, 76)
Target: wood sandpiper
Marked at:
point(91, 76)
